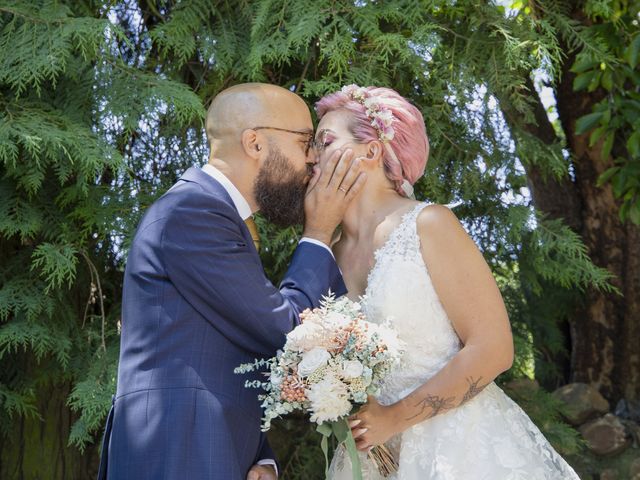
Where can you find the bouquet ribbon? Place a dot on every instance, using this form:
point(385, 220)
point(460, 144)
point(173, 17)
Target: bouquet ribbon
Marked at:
point(342, 432)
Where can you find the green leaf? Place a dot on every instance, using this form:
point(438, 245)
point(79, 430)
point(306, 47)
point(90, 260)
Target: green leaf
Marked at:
point(324, 445)
point(340, 430)
point(631, 52)
point(608, 144)
point(324, 429)
point(633, 144)
point(607, 79)
point(624, 211)
point(596, 135)
point(619, 183)
point(634, 213)
point(587, 122)
point(595, 82)
point(583, 80)
point(606, 176)
point(584, 63)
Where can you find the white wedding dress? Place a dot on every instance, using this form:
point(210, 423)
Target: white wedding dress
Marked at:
point(488, 438)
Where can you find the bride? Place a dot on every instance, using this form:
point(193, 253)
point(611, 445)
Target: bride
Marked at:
point(439, 412)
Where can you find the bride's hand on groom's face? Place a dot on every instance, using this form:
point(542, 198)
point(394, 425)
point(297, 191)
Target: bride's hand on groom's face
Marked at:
point(373, 425)
point(333, 186)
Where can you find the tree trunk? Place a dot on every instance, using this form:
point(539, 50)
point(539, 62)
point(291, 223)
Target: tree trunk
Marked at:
point(606, 332)
point(605, 329)
point(558, 199)
point(37, 449)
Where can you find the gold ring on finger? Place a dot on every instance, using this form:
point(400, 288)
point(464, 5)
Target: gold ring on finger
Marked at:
point(342, 189)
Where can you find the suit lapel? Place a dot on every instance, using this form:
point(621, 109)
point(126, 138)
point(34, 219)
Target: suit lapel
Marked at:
point(211, 185)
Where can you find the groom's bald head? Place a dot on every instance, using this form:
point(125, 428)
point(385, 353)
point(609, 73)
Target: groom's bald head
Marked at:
point(250, 105)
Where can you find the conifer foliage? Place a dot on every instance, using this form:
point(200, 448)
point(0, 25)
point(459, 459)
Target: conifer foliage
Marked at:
point(102, 107)
point(70, 99)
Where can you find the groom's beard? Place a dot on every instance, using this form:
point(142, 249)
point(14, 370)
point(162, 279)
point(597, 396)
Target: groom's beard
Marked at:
point(280, 190)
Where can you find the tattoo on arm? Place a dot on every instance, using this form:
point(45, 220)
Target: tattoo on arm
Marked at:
point(440, 404)
point(437, 405)
point(474, 389)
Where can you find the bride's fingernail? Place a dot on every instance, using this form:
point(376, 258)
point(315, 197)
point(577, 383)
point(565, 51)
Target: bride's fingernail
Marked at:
point(353, 423)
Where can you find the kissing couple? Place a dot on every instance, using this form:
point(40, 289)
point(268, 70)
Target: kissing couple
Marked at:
point(197, 303)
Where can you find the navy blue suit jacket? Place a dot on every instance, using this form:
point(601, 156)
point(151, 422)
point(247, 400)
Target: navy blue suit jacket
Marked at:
point(196, 304)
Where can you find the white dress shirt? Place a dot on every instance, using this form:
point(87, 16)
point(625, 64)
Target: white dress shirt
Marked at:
point(241, 204)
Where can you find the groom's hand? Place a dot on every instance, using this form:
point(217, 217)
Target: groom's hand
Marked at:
point(262, 472)
point(330, 192)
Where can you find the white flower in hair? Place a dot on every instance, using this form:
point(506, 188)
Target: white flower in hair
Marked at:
point(355, 92)
point(386, 116)
point(371, 104)
point(381, 117)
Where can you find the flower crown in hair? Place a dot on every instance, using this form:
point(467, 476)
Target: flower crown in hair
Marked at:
point(381, 117)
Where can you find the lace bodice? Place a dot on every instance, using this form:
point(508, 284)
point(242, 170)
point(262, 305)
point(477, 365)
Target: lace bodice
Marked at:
point(488, 438)
point(399, 290)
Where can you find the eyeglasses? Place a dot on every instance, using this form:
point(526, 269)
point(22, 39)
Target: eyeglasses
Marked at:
point(309, 144)
point(320, 144)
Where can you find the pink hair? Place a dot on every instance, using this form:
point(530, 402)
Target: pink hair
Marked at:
point(410, 142)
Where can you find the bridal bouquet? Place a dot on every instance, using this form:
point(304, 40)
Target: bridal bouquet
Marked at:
point(329, 364)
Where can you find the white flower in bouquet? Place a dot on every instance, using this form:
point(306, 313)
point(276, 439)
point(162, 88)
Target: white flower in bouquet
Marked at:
point(352, 369)
point(312, 360)
point(305, 337)
point(337, 320)
point(367, 376)
point(388, 336)
point(276, 379)
point(329, 400)
point(358, 390)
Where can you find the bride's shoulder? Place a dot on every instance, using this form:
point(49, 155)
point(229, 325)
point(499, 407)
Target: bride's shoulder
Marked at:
point(435, 212)
point(438, 220)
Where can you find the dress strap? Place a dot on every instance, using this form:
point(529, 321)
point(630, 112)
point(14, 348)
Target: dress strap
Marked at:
point(404, 239)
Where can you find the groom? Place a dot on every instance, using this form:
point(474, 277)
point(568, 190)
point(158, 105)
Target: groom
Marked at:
point(196, 301)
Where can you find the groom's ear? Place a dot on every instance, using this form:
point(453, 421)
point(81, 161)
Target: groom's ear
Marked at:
point(251, 144)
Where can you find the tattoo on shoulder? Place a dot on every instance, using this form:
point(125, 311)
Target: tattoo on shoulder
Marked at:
point(435, 403)
point(474, 389)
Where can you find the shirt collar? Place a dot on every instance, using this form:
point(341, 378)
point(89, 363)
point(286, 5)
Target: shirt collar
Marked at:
point(242, 206)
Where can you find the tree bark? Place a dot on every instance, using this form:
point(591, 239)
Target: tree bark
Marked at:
point(605, 328)
point(606, 333)
point(38, 448)
point(557, 198)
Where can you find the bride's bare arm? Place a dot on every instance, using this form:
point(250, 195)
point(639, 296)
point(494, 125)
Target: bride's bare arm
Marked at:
point(468, 292)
